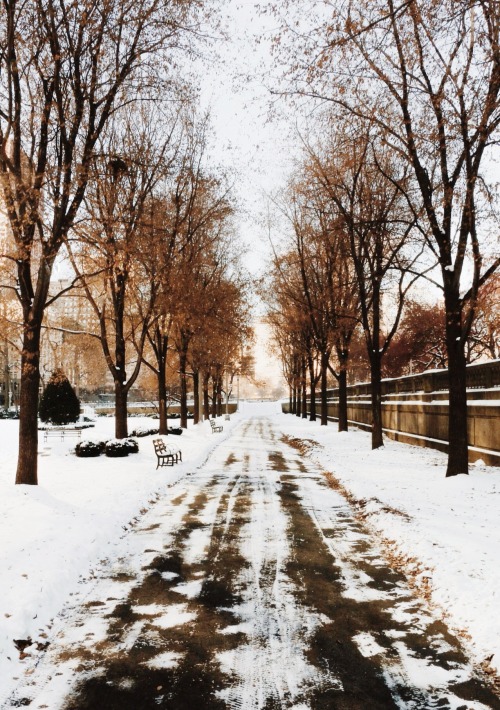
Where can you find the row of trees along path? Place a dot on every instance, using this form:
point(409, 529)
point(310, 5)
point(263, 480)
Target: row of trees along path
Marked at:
point(103, 159)
point(411, 124)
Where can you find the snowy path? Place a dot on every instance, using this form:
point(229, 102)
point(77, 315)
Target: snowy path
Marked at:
point(250, 585)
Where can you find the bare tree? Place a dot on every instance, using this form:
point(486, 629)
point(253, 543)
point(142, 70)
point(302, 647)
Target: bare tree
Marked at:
point(223, 335)
point(189, 216)
point(114, 242)
point(329, 284)
point(484, 336)
point(201, 275)
point(419, 343)
point(428, 74)
point(294, 339)
point(284, 345)
point(308, 221)
point(364, 186)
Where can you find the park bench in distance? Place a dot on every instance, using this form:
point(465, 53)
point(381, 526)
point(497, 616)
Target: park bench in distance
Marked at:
point(166, 454)
point(61, 432)
point(215, 427)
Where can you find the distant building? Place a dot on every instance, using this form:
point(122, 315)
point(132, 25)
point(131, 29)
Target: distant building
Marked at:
point(267, 380)
point(67, 342)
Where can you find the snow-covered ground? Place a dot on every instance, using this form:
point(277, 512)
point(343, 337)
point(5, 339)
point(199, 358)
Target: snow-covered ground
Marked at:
point(443, 530)
point(53, 534)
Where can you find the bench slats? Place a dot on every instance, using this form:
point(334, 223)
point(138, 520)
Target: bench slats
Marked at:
point(61, 433)
point(166, 454)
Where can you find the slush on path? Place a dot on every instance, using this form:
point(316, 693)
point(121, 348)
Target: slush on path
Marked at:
point(258, 588)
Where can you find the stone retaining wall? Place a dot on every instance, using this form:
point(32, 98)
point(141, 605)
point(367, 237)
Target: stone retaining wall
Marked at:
point(420, 416)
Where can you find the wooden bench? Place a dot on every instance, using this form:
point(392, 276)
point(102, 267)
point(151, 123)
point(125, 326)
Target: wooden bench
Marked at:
point(215, 427)
point(166, 454)
point(61, 433)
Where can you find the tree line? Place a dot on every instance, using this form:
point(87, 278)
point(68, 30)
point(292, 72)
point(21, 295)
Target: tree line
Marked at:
point(104, 163)
point(395, 187)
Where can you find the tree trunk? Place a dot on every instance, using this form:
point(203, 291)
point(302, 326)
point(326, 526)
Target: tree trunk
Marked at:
point(120, 377)
point(296, 391)
point(374, 356)
point(312, 391)
point(293, 410)
point(324, 402)
point(343, 426)
point(183, 386)
point(27, 462)
point(304, 388)
point(458, 457)
point(214, 396)
point(160, 346)
point(219, 395)
point(290, 399)
point(162, 403)
point(206, 403)
point(121, 420)
point(196, 397)
point(376, 387)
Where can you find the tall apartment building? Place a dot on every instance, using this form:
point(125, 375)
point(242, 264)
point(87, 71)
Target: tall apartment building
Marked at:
point(62, 345)
point(66, 343)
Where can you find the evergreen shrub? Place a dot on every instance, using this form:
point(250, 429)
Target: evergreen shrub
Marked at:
point(144, 431)
point(116, 448)
point(59, 403)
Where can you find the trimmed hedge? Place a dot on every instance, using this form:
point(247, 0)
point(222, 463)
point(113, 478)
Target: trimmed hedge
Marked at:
point(132, 445)
point(144, 431)
point(89, 449)
point(114, 448)
point(117, 448)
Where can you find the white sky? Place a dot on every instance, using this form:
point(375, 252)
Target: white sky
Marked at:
point(257, 150)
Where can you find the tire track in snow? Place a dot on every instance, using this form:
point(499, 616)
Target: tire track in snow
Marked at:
point(107, 657)
point(253, 588)
point(270, 668)
point(383, 640)
point(184, 590)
